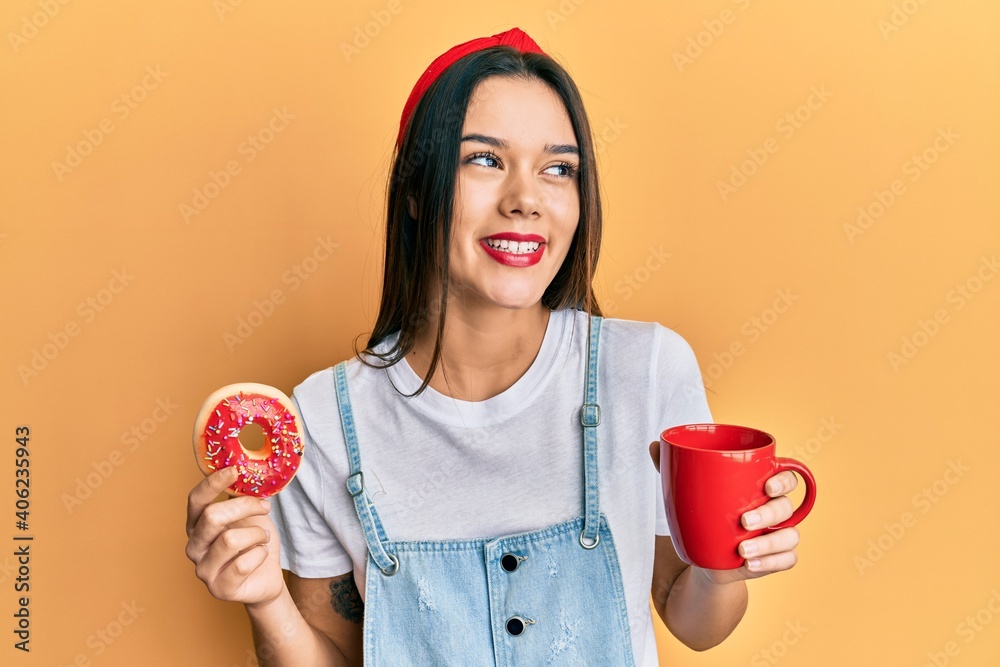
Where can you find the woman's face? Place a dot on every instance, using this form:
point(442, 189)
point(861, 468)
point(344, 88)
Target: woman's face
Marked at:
point(517, 200)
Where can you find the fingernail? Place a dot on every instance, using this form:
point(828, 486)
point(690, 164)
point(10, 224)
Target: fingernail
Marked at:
point(753, 564)
point(749, 548)
point(268, 534)
point(264, 503)
point(752, 519)
point(773, 487)
point(230, 471)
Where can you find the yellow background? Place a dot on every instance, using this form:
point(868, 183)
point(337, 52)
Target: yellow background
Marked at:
point(876, 432)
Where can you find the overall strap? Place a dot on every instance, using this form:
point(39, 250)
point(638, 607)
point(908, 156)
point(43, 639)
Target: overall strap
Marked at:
point(590, 417)
point(370, 523)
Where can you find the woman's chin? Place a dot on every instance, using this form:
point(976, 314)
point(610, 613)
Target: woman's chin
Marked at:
point(519, 305)
point(512, 300)
point(510, 294)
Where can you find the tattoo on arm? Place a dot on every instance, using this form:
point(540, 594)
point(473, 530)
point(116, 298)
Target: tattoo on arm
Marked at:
point(346, 599)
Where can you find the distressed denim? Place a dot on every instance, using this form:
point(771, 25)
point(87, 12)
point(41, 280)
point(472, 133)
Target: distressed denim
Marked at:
point(551, 596)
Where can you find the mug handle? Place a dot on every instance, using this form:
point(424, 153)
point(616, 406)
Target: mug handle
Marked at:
point(783, 464)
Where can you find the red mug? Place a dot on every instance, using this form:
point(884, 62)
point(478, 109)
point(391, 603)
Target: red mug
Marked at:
point(712, 474)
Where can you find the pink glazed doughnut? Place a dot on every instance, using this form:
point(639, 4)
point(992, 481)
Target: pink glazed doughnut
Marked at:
point(262, 472)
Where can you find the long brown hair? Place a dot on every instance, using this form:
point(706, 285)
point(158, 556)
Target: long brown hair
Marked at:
point(425, 166)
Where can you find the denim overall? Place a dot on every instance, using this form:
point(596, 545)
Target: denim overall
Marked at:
point(551, 596)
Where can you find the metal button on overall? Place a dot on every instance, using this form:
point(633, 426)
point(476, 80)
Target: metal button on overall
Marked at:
point(510, 561)
point(516, 624)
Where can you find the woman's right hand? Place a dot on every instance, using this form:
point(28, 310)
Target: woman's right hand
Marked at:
point(233, 543)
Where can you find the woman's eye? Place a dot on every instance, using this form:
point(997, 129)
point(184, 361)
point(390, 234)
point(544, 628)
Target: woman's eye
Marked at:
point(484, 156)
point(568, 170)
point(492, 160)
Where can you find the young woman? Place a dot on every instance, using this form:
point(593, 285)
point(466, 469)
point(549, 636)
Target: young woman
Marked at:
point(476, 488)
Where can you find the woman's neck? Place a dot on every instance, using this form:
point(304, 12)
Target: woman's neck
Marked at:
point(483, 350)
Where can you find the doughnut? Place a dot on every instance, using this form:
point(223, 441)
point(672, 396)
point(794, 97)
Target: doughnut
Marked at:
point(262, 472)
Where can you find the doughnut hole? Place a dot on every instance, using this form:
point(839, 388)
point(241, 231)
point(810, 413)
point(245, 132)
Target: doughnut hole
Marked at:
point(253, 439)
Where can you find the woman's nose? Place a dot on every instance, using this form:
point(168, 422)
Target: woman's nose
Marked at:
point(523, 195)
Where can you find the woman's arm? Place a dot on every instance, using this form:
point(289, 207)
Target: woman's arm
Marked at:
point(696, 610)
point(235, 548)
point(289, 631)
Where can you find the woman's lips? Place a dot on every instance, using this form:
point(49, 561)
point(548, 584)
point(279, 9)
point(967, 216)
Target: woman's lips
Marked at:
point(513, 259)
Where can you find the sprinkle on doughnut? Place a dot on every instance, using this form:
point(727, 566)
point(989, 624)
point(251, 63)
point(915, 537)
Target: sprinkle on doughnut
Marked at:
point(262, 472)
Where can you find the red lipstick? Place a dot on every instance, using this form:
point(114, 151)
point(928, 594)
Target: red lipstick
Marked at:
point(510, 258)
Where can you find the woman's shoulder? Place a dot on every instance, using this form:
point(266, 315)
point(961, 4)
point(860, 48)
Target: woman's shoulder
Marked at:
point(668, 359)
point(315, 383)
point(661, 350)
point(646, 335)
point(317, 393)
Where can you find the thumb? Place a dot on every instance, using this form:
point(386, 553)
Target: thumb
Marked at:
point(654, 453)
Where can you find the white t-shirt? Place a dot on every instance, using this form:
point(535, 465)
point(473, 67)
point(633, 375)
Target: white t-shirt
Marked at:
point(438, 468)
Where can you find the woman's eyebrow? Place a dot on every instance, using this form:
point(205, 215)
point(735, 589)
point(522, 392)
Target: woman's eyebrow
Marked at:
point(558, 149)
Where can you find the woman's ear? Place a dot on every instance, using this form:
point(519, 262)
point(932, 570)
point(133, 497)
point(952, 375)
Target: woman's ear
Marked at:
point(411, 204)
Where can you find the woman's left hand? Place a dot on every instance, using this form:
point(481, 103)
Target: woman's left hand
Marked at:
point(766, 553)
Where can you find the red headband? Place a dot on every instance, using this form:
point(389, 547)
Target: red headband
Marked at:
point(514, 37)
